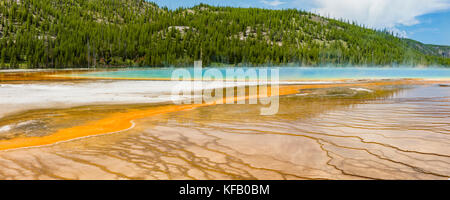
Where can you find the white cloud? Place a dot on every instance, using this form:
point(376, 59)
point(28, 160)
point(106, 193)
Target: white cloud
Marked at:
point(273, 3)
point(377, 13)
point(398, 32)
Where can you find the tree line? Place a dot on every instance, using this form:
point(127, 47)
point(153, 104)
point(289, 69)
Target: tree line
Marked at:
point(101, 33)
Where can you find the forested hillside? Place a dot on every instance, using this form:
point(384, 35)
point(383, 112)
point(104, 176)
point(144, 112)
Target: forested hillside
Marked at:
point(87, 33)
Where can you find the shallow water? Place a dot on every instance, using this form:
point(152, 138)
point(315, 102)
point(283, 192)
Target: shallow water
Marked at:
point(288, 73)
point(338, 133)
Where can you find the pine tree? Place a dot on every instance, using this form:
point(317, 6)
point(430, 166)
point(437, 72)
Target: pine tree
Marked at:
point(3, 58)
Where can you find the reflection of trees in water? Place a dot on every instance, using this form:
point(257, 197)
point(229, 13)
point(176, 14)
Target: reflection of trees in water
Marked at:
point(317, 101)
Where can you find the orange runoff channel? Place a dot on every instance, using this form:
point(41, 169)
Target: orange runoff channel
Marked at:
point(123, 121)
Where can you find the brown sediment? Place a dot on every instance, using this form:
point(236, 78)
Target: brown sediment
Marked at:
point(371, 135)
point(61, 75)
point(114, 123)
point(37, 75)
point(123, 120)
point(365, 84)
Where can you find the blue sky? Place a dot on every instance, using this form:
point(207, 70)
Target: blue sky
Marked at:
point(427, 21)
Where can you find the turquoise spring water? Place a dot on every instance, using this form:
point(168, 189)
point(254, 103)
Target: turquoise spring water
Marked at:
point(289, 73)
